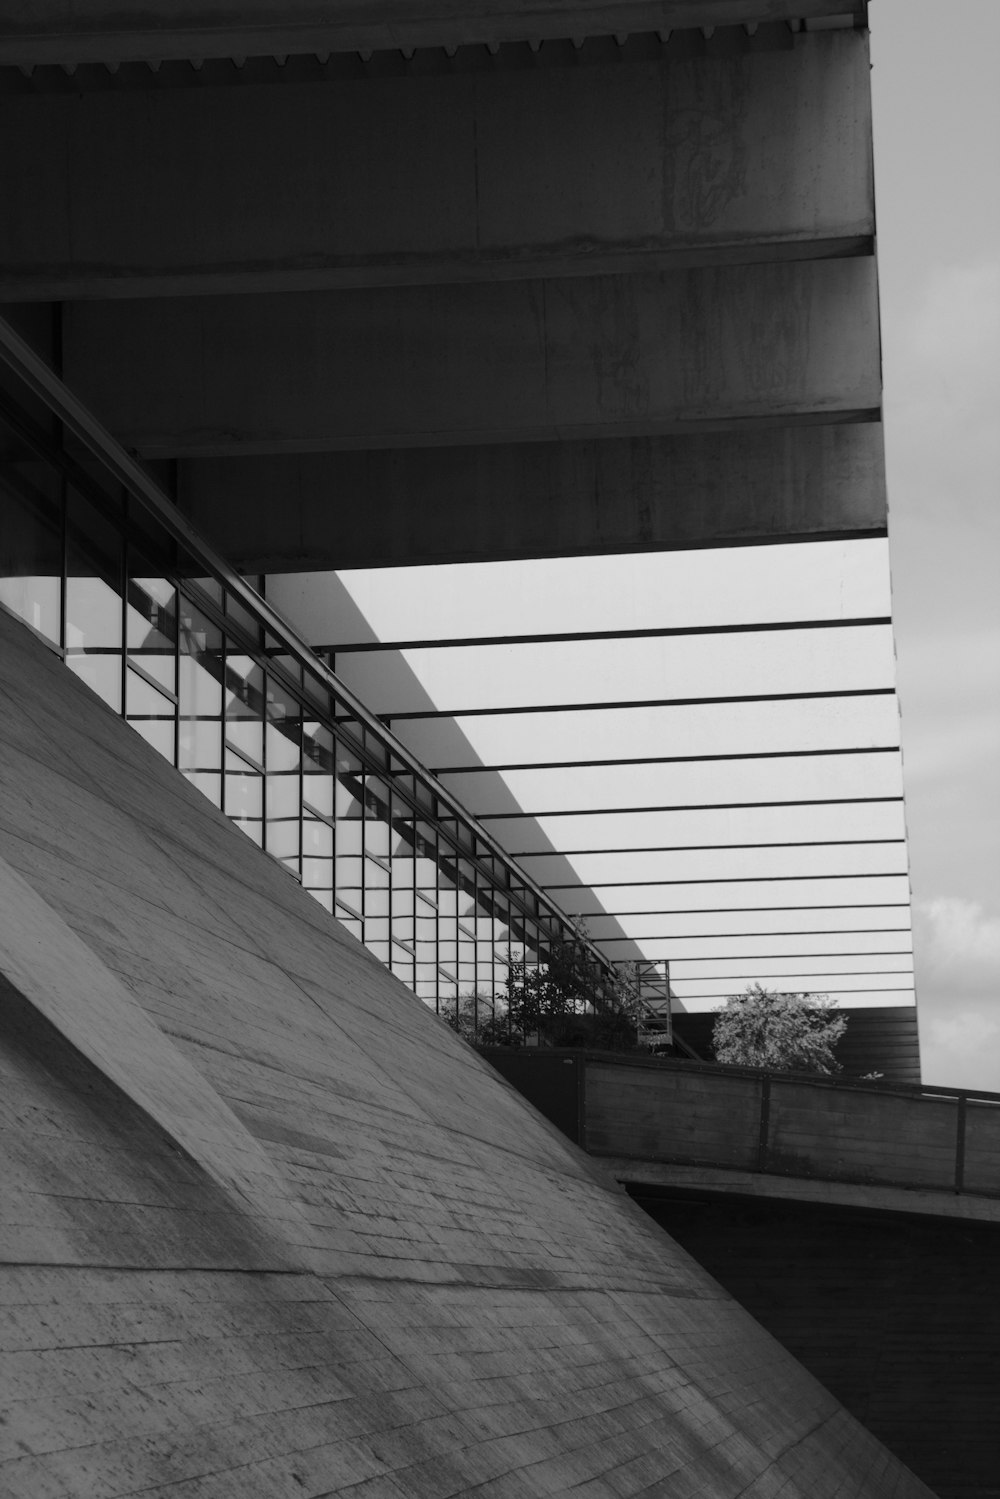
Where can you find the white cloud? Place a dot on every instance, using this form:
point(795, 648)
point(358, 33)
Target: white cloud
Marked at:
point(941, 749)
point(956, 327)
point(965, 1032)
point(942, 359)
point(958, 938)
point(942, 345)
point(957, 946)
point(960, 1050)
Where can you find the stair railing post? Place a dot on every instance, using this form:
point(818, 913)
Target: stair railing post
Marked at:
point(765, 1122)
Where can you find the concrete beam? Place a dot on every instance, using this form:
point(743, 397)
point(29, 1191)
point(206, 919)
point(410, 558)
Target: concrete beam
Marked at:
point(63, 31)
point(442, 178)
point(507, 362)
point(480, 504)
point(927, 1202)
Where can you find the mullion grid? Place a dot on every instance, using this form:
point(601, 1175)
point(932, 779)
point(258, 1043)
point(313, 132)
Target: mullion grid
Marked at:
point(427, 912)
point(283, 754)
point(378, 893)
point(783, 754)
point(151, 639)
point(348, 805)
point(448, 909)
point(218, 654)
point(318, 832)
point(402, 874)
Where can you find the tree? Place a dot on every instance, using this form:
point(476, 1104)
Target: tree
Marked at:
point(478, 1018)
point(572, 1000)
point(569, 1000)
point(782, 1032)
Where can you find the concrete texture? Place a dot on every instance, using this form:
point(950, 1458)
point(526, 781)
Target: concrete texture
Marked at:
point(500, 501)
point(897, 1315)
point(478, 1310)
point(62, 982)
point(640, 1176)
point(790, 1126)
point(61, 31)
point(669, 1122)
point(612, 292)
point(515, 361)
point(461, 177)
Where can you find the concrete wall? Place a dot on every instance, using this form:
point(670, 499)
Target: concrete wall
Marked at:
point(599, 294)
point(897, 1315)
point(458, 176)
point(515, 361)
point(790, 1126)
point(664, 1121)
point(494, 501)
point(330, 1252)
point(60, 31)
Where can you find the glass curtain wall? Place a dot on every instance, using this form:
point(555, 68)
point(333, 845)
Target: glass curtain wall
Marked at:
point(269, 742)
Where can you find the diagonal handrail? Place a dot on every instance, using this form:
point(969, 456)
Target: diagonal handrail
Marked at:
point(126, 470)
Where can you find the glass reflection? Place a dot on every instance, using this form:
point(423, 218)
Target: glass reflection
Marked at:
point(151, 627)
point(201, 663)
point(283, 766)
point(199, 677)
point(151, 711)
point(31, 561)
point(151, 644)
point(94, 602)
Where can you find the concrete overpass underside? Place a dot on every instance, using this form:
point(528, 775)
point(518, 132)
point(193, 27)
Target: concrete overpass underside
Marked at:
point(858, 1221)
point(378, 287)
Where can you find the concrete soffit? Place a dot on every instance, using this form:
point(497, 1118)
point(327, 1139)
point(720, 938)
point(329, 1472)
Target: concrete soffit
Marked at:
point(54, 33)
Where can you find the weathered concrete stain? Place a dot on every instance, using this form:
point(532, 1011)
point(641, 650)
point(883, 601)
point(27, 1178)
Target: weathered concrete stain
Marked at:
point(484, 1310)
point(705, 146)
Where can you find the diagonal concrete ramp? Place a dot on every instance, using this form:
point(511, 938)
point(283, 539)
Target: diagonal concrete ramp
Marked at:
point(269, 1229)
point(64, 984)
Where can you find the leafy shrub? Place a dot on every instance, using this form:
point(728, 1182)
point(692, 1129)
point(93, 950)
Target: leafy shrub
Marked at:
point(782, 1032)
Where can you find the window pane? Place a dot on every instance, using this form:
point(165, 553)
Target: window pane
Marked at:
point(244, 792)
point(243, 619)
point(317, 766)
point(159, 733)
point(31, 553)
point(209, 785)
point(151, 713)
point(94, 600)
point(151, 624)
point(376, 817)
point(349, 791)
point(200, 694)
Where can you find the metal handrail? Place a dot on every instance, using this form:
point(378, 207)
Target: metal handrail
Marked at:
point(769, 1083)
point(732, 1069)
point(127, 471)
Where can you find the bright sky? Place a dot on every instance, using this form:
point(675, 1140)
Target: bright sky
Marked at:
point(937, 144)
point(730, 914)
point(937, 139)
